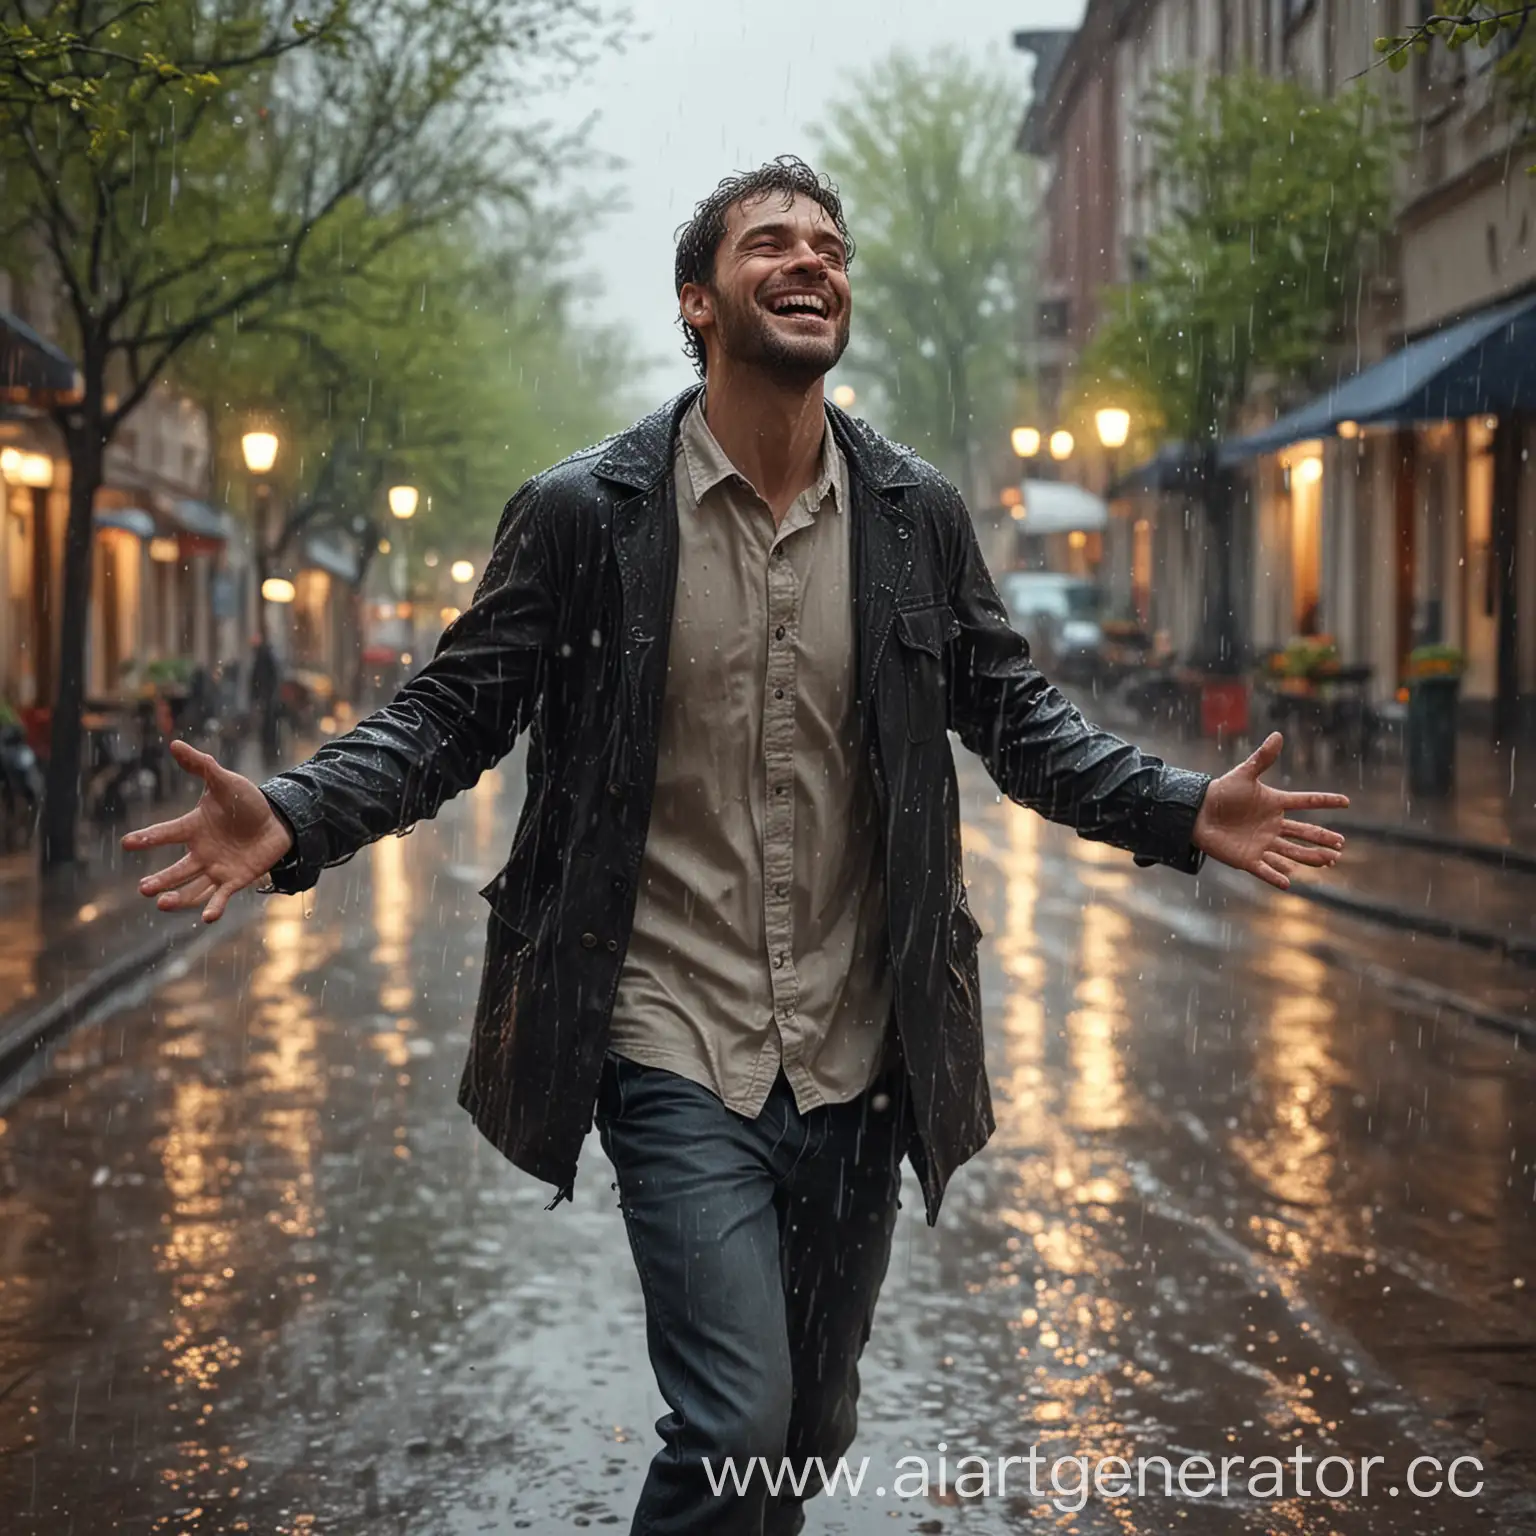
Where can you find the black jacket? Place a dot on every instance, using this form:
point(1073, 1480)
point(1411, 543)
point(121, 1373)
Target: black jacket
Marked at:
point(567, 638)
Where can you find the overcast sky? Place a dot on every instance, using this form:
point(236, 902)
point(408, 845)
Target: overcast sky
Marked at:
point(708, 87)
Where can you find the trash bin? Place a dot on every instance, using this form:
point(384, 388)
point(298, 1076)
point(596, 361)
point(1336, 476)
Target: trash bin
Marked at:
point(1431, 734)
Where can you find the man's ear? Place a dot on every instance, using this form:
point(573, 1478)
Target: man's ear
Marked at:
point(697, 304)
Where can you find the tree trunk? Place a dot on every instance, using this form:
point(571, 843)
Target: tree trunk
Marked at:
point(1217, 647)
point(61, 797)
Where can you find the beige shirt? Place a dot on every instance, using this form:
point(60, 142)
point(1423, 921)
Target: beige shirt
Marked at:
point(759, 937)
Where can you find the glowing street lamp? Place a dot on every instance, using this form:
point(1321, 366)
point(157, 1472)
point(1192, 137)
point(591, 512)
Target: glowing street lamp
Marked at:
point(462, 571)
point(1113, 426)
point(277, 589)
point(260, 451)
point(844, 396)
point(1026, 441)
point(402, 501)
point(1062, 443)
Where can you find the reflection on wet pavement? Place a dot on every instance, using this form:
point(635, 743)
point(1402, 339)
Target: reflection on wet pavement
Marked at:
point(257, 1273)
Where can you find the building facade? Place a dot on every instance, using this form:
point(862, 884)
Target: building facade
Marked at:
point(1381, 536)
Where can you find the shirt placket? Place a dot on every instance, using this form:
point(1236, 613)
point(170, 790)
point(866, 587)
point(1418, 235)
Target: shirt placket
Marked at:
point(779, 766)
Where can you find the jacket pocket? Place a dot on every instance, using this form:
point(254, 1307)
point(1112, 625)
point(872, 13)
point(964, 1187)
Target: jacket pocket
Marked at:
point(923, 634)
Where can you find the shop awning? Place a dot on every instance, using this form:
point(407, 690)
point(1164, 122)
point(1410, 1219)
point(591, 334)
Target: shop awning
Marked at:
point(127, 520)
point(200, 520)
point(1055, 506)
point(34, 371)
point(323, 555)
point(1484, 364)
point(1174, 467)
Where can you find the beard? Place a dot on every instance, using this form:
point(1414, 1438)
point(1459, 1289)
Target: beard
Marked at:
point(748, 335)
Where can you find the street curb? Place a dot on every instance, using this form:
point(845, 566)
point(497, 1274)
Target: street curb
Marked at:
point(1500, 855)
point(1521, 951)
point(23, 1039)
point(1427, 993)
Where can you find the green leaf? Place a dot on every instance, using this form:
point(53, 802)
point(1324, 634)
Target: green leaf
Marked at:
point(1398, 62)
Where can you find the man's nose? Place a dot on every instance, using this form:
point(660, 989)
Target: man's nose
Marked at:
point(806, 258)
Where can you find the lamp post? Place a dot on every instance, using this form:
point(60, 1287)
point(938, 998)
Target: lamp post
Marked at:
point(1026, 441)
point(259, 450)
point(403, 500)
point(1061, 445)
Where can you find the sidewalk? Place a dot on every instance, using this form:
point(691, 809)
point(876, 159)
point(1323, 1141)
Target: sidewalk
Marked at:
point(1461, 870)
point(70, 941)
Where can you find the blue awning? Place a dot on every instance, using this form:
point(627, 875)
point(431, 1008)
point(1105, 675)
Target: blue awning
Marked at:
point(127, 520)
point(1482, 365)
point(33, 370)
point(199, 518)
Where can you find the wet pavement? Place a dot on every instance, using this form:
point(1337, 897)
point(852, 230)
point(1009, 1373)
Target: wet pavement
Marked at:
point(257, 1273)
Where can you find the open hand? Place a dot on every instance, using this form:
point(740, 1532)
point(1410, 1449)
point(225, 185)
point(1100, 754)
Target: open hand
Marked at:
point(232, 837)
point(1247, 824)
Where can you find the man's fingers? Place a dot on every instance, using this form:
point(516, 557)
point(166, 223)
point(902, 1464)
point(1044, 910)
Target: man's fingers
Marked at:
point(1265, 755)
point(1270, 875)
point(1310, 832)
point(215, 908)
point(203, 764)
point(173, 875)
point(1306, 853)
point(1312, 800)
point(188, 896)
point(160, 833)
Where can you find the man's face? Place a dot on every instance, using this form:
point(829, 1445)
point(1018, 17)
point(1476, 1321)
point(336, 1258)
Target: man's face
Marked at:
point(779, 299)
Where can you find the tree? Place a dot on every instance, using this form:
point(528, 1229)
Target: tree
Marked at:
point(172, 165)
point(1272, 202)
point(1500, 30)
point(454, 363)
point(938, 200)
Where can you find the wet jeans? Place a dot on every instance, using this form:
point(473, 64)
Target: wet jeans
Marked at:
point(761, 1245)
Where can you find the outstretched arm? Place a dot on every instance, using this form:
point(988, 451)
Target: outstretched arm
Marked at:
point(1042, 752)
point(457, 717)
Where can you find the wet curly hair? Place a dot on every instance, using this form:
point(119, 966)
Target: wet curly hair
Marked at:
point(699, 239)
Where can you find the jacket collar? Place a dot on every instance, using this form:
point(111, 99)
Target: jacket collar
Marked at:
point(642, 456)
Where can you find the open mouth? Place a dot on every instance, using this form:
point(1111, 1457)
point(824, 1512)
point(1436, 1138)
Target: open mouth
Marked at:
point(805, 306)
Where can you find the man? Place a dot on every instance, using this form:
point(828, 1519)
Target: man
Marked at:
point(733, 929)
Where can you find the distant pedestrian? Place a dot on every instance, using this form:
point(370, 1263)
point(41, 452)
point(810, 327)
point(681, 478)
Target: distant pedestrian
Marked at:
point(733, 928)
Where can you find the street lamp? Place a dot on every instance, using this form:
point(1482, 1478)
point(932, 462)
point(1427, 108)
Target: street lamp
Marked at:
point(402, 501)
point(1062, 444)
point(462, 571)
point(1113, 426)
point(277, 589)
point(844, 396)
point(1026, 441)
point(260, 450)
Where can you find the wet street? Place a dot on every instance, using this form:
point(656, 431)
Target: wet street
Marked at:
point(257, 1272)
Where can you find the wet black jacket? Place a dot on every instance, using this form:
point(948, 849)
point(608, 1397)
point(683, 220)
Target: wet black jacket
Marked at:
point(567, 638)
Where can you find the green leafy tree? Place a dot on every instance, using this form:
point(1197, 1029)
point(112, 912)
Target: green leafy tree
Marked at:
point(454, 363)
point(169, 165)
point(1272, 202)
point(937, 197)
point(1500, 30)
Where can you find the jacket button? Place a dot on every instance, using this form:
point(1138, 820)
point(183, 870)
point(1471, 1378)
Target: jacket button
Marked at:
point(613, 946)
point(616, 790)
point(589, 941)
point(903, 533)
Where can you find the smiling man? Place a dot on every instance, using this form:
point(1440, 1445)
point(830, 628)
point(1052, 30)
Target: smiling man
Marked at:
point(732, 930)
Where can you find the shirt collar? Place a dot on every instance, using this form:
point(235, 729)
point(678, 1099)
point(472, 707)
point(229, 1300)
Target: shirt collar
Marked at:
point(708, 465)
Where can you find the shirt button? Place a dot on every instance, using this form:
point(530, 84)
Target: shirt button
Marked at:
point(779, 790)
point(778, 693)
point(778, 960)
point(589, 941)
point(778, 890)
point(778, 634)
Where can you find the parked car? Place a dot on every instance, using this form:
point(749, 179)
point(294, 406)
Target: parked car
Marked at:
point(1061, 617)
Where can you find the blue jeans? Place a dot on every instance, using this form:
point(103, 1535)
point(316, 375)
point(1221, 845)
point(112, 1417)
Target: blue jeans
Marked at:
point(761, 1245)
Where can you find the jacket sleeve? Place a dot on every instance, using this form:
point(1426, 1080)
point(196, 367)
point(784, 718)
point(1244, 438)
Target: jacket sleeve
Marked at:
point(1036, 744)
point(454, 719)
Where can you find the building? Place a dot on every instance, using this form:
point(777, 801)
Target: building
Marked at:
point(1381, 533)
